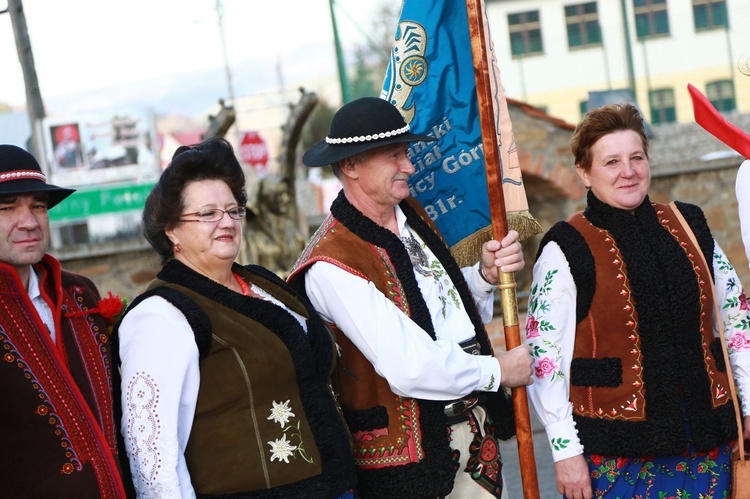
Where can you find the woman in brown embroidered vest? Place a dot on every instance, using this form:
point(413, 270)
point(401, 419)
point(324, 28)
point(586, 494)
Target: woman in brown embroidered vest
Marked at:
point(631, 382)
point(224, 367)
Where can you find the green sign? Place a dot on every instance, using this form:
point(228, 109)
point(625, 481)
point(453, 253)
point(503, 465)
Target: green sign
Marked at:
point(110, 199)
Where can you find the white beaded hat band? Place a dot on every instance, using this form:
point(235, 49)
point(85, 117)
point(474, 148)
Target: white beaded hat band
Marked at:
point(368, 138)
point(359, 126)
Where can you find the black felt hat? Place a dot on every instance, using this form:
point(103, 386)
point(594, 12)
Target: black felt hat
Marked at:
point(20, 174)
point(359, 126)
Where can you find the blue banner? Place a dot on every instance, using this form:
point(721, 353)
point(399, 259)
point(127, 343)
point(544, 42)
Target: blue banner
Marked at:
point(430, 78)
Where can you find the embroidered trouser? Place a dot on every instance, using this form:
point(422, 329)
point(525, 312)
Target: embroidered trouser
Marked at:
point(479, 463)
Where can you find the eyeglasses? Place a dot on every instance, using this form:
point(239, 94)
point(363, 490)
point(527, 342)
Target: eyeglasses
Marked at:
point(216, 214)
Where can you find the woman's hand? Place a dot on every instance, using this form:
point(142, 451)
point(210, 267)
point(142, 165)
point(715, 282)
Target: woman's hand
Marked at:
point(573, 478)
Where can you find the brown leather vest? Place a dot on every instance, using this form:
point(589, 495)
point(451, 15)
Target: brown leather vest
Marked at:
point(266, 421)
point(644, 376)
point(613, 307)
point(247, 372)
point(360, 388)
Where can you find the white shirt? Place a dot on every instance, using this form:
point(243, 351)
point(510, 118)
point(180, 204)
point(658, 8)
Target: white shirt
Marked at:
point(41, 306)
point(742, 190)
point(160, 382)
point(414, 364)
point(550, 395)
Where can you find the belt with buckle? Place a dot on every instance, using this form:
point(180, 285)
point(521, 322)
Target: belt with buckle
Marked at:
point(458, 410)
point(471, 346)
point(460, 406)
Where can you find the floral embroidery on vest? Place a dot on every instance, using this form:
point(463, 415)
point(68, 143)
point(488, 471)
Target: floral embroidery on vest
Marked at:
point(281, 448)
point(410, 450)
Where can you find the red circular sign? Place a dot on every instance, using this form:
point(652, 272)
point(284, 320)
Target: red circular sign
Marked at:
point(253, 150)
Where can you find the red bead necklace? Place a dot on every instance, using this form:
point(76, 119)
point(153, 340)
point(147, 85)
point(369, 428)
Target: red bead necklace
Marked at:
point(244, 286)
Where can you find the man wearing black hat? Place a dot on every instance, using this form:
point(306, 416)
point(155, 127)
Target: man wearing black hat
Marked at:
point(57, 430)
point(417, 379)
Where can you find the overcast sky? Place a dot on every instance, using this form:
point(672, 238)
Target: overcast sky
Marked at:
point(82, 45)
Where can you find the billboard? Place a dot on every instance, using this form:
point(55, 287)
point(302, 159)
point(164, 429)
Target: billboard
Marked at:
point(101, 148)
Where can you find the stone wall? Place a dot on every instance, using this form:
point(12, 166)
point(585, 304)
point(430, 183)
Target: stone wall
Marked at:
point(125, 269)
point(713, 191)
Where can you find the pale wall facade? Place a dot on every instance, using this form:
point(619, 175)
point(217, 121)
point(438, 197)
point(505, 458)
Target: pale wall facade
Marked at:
point(560, 77)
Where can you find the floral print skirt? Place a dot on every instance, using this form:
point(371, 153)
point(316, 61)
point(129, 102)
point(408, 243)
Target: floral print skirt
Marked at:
point(693, 474)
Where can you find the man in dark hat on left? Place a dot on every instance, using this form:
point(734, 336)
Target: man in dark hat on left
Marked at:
point(57, 430)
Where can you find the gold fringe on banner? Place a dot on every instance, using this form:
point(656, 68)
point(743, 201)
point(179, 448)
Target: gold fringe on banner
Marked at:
point(469, 249)
point(523, 223)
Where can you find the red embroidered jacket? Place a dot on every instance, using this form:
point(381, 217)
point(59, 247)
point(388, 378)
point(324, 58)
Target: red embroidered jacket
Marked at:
point(57, 430)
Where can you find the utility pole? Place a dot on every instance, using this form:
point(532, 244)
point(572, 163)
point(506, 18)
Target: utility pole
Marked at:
point(343, 80)
point(34, 103)
point(220, 19)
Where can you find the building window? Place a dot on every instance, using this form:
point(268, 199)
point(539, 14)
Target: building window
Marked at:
point(651, 18)
point(721, 95)
point(72, 234)
point(525, 33)
point(662, 106)
point(709, 14)
point(583, 25)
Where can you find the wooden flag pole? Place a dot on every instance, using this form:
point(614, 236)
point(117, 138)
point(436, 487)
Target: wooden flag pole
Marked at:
point(507, 286)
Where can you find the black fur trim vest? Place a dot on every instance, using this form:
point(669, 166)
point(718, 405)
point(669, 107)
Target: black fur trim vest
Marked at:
point(666, 293)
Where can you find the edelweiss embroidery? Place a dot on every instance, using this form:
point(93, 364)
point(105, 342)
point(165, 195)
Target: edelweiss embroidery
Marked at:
point(281, 413)
point(281, 448)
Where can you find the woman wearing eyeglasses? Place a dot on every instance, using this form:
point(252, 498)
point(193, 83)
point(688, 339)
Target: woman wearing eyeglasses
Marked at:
point(224, 367)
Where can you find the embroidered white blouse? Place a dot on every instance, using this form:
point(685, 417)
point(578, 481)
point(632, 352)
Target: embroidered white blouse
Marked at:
point(160, 381)
point(550, 331)
point(402, 352)
point(742, 190)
